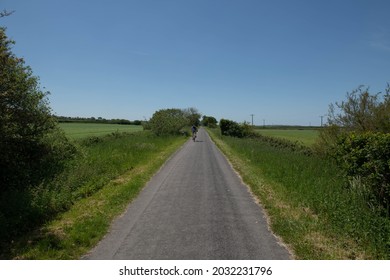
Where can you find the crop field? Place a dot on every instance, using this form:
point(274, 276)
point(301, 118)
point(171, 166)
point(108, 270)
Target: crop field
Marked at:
point(82, 130)
point(306, 136)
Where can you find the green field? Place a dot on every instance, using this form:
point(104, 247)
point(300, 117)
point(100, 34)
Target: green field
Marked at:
point(82, 130)
point(305, 136)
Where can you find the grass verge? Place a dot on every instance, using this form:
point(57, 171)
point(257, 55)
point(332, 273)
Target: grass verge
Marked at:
point(307, 202)
point(98, 186)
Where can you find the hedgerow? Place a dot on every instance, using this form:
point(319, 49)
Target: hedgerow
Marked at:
point(365, 159)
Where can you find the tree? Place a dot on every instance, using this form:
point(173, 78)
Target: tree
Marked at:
point(172, 121)
point(31, 145)
point(209, 121)
point(362, 112)
point(168, 121)
point(193, 116)
point(357, 138)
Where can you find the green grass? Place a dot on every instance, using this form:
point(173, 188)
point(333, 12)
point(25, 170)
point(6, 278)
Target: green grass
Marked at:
point(72, 212)
point(82, 130)
point(305, 136)
point(307, 202)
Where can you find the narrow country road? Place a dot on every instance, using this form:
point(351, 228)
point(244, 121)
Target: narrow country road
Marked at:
point(194, 208)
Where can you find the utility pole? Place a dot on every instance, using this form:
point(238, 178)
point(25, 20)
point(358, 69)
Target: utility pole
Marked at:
point(263, 123)
point(252, 118)
point(322, 118)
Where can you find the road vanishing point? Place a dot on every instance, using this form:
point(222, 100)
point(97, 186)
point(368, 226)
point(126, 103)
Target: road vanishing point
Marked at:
point(195, 208)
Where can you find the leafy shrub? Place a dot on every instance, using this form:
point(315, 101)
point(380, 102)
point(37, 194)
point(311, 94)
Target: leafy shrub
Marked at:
point(366, 158)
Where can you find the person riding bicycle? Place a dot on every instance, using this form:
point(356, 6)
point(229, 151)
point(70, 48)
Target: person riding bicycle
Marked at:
point(194, 130)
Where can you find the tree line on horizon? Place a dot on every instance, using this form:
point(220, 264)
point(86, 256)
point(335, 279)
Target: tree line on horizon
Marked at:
point(63, 119)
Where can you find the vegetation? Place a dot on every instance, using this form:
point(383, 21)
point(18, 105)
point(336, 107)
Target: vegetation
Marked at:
point(99, 120)
point(209, 121)
point(231, 128)
point(364, 157)
point(362, 111)
point(173, 121)
point(33, 148)
point(65, 217)
point(306, 198)
point(358, 139)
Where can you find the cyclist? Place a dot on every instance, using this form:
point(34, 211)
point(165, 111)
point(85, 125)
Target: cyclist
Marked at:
point(194, 129)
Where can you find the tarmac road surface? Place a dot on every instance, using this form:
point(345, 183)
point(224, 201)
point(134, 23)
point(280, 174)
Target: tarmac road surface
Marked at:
point(194, 208)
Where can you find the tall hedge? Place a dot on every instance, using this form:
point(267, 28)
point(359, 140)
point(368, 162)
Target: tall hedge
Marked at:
point(365, 157)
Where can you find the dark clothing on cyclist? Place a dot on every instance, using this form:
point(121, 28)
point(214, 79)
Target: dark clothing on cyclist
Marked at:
point(194, 129)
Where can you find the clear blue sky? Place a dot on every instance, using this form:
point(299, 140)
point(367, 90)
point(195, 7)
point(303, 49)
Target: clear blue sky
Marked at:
point(283, 61)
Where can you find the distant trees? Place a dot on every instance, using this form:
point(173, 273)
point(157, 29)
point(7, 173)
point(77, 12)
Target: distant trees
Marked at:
point(209, 121)
point(31, 145)
point(173, 121)
point(63, 119)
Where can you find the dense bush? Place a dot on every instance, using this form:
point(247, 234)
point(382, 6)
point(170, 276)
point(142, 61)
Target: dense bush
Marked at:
point(365, 158)
point(234, 129)
point(357, 138)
